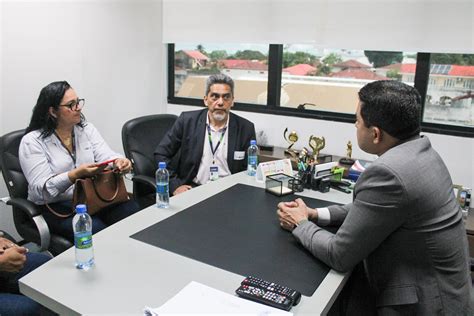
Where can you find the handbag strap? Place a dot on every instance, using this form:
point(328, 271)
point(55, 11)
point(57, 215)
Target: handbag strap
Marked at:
point(116, 177)
point(49, 207)
point(56, 213)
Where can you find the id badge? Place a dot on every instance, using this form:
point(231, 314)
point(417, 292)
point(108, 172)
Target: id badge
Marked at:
point(214, 172)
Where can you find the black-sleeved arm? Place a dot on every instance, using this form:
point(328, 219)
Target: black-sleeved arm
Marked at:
point(167, 149)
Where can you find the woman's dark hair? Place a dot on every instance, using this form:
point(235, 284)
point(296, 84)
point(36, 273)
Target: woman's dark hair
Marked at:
point(50, 96)
point(393, 106)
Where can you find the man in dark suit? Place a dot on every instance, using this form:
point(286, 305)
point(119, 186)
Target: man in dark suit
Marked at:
point(404, 223)
point(212, 142)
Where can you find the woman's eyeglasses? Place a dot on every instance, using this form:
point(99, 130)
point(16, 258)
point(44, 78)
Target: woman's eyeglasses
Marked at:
point(75, 105)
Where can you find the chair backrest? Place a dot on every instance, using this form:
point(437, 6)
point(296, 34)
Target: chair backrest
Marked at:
point(10, 162)
point(140, 136)
point(18, 188)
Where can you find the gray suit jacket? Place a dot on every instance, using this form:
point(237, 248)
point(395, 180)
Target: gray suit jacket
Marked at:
point(406, 225)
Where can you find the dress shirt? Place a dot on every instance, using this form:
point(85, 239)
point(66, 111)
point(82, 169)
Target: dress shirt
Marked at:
point(324, 217)
point(220, 156)
point(47, 160)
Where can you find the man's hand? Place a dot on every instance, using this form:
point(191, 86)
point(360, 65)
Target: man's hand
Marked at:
point(292, 213)
point(182, 188)
point(5, 243)
point(12, 259)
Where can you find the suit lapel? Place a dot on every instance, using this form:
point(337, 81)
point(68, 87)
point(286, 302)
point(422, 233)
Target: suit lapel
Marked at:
point(199, 139)
point(232, 138)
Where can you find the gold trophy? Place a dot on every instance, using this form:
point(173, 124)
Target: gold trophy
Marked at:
point(316, 144)
point(348, 161)
point(291, 139)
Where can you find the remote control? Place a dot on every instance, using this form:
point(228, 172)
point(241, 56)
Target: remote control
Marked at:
point(263, 296)
point(294, 295)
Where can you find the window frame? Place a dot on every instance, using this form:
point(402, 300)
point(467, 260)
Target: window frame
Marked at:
point(275, 57)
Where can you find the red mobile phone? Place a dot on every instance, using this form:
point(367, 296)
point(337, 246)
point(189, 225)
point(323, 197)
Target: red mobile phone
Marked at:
point(104, 163)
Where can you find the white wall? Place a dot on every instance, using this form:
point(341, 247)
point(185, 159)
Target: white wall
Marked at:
point(110, 51)
point(457, 152)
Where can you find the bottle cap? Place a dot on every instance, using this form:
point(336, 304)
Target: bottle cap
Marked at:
point(253, 142)
point(162, 165)
point(81, 208)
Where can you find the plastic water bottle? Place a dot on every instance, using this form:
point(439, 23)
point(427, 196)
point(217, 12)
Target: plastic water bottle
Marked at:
point(252, 154)
point(82, 226)
point(162, 186)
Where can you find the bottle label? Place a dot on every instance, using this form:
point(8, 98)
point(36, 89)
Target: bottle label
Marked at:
point(162, 188)
point(253, 160)
point(83, 240)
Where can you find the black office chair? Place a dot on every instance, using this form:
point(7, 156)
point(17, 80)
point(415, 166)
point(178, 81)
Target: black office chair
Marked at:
point(27, 217)
point(140, 136)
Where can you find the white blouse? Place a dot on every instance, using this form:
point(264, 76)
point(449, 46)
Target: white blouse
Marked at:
point(46, 160)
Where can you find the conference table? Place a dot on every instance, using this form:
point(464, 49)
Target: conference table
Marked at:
point(129, 274)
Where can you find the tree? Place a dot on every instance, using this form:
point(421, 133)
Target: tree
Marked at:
point(452, 59)
point(393, 73)
point(291, 59)
point(332, 59)
point(249, 55)
point(380, 59)
point(326, 64)
point(218, 55)
point(201, 48)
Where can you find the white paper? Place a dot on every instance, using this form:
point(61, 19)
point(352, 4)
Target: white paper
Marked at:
point(268, 168)
point(199, 299)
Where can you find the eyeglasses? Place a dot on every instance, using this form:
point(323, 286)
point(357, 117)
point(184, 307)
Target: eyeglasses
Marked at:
point(75, 105)
point(216, 96)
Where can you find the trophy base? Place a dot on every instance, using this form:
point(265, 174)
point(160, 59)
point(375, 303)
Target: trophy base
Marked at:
point(346, 161)
point(292, 153)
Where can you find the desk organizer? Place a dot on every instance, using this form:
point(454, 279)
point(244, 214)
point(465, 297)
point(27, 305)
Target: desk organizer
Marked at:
point(296, 185)
point(278, 185)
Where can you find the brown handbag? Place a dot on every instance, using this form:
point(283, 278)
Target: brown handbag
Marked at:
point(97, 192)
point(102, 190)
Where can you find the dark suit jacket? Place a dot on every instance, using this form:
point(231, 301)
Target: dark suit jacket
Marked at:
point(406, 223)
point(187, 137)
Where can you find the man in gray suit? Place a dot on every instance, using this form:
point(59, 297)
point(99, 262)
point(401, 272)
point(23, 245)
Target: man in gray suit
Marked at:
point(404, 223)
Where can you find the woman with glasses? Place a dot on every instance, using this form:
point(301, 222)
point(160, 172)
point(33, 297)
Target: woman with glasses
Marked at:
point(58, 148)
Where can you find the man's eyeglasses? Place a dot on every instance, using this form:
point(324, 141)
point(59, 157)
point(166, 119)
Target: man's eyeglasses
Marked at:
point(75, 105)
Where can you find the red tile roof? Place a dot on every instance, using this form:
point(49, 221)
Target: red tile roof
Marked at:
point(242, 64)
point(300, 69)
point(461, 71)
point(454, 70)
point(196, 54)
point(358, 74)
point(351, 63)
point(402, 68)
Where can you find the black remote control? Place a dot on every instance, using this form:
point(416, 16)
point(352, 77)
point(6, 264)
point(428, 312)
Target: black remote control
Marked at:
point(263, 296)
point(294, 295)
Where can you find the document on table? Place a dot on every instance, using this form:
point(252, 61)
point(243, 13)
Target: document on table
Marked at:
point(196, 298)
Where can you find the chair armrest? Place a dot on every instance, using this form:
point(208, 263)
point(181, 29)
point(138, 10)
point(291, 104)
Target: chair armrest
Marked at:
point(149, 181)
point(25, 205)
point(30, 209)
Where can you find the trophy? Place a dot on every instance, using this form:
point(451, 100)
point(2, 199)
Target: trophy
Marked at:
point(348, 161)
point(316, 145)
point(291, 139)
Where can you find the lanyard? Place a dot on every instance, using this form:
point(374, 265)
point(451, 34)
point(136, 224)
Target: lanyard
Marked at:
point(73, 153)
point(209, 136)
